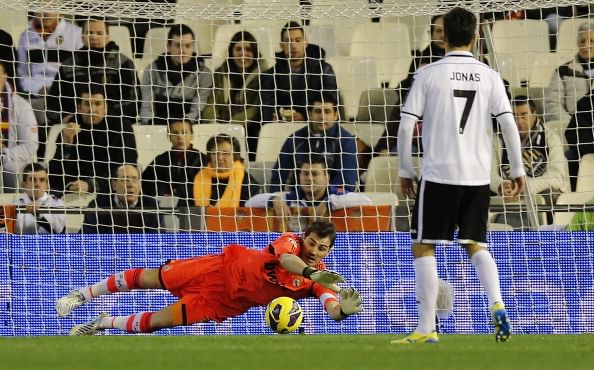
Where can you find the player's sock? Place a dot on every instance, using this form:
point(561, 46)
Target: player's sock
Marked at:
point(486, 270)
point(137, 323)
point(120, 282)
point(426, 287)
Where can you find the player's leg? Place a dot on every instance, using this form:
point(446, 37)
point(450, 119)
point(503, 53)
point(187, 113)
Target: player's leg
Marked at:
point(473, 237)
point(121, 282)
point(142, 322)
point(431, 223)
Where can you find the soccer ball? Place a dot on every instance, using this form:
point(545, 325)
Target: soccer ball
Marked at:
point(283, 315)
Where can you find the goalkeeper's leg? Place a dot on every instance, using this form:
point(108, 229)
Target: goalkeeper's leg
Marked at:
point(190, 309)
point(120, 282)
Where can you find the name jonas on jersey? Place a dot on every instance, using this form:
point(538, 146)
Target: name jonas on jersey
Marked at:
point(462, 76)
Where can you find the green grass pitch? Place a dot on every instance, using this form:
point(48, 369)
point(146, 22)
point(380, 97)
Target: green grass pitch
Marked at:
point(343, 352)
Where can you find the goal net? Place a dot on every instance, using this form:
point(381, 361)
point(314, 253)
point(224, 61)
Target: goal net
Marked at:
point(151, 130)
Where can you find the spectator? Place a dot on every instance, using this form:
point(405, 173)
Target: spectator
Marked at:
point(177, 84)
point(580, 135)
point(433, 52)
point(33, 221)
point(172, 172)
point(89, 144)
point(8, 55)
point(582, 221)
point(236, 97)
point(18, 132)
point(98, 62)
point(46, 43)
point(132, 211)
point(573, 80)
point(299, 74)
point(542, 152)
point(314, 192)
point(224, 182)
point(324, 136)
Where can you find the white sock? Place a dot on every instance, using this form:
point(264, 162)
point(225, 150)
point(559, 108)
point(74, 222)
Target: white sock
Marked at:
point(426, 285)
point(486, 270)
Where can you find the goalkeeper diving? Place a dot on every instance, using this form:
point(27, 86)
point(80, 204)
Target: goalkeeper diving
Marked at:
point(219, 286)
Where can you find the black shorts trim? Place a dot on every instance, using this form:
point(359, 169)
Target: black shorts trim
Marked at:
point(184, 314)
point(160, 272)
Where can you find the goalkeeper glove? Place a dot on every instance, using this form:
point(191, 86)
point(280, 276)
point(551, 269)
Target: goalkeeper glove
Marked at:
point(350, 302)
point(324, 278)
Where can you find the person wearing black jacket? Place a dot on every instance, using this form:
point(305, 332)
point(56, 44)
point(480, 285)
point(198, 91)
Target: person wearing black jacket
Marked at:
point(172, 172)
point(89, 145)
point(300, 73)
point(580, 135)
point(98, 62)
point(132, 212)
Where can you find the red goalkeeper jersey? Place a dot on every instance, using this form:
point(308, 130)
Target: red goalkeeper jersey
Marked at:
point(257, 276)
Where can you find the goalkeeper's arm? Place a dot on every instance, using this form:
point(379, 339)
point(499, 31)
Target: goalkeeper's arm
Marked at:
point(350, 304)
point(294, 264)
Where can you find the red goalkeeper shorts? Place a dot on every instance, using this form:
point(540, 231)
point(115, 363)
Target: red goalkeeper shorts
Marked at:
point(200, 283)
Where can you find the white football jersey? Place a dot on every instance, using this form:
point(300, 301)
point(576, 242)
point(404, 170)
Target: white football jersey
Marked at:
point(456, 98)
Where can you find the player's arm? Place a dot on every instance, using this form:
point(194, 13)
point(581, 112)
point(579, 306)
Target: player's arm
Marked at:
point(294, 264)
point(406, 171)
point(350, 303)
point(514, 150)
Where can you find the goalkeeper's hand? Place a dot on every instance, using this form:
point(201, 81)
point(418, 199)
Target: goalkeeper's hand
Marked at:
point(324, 278)
point(350, 302)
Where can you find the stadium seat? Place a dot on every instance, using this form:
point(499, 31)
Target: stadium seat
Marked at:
point(526, 36)
point(383, 199)
point(495, 226)
point(7, 198)
point(377, 105)
point(344, 26)
point(382, 175)
point(74, 222)
point(576, 198)
point(418, 28)
point(387, 43)
point(537, 200)
point(203, 132)
point(354, 75)
point(368, 132)
point(567, 46)
point(261, 172)
point(121, 36)
point(155, 44)
point(543, 68)
point(15, 22)
point(518, 41)
point(585, 180)
point(272, 138)
point(78, 200)
point(151, 140)
point(323, 35)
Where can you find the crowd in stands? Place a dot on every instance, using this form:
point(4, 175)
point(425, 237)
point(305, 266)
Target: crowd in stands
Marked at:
point(74, 75)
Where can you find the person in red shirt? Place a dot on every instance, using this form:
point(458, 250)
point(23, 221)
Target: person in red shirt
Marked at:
point(219, 286)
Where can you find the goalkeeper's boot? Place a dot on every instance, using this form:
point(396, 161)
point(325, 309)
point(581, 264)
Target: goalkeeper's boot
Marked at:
point(416, 337)
point(69, 302)
point(88, 328)
point(501, 322)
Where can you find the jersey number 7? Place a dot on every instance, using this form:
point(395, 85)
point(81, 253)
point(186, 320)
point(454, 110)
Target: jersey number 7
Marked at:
point(469, 96)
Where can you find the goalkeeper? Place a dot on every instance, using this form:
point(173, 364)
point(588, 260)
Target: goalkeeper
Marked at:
point(220, 286)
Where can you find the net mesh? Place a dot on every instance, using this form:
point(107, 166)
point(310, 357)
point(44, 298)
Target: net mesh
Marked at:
point(59, 81)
